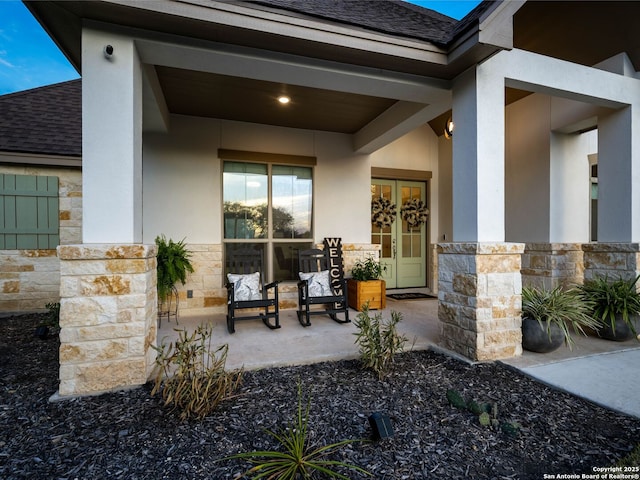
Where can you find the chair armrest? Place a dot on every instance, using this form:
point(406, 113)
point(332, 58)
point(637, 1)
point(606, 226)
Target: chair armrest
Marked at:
point(271, 285)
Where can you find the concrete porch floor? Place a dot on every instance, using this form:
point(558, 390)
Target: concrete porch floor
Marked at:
point(254, 346)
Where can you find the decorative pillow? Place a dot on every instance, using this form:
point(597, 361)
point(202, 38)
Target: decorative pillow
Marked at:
point(319, 285)
point(246, 287)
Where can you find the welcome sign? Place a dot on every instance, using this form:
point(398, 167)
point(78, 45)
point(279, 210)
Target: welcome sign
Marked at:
point(333, 247)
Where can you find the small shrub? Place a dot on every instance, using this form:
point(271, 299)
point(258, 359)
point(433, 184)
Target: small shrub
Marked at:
point(378, 340)
point(368, 269)
point(53, 315)
point(486, 412)
point(297, 459)
point(191, 377)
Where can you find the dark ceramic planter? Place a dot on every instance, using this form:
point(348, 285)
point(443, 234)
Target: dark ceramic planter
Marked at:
point(536, 339)
point(622, 330)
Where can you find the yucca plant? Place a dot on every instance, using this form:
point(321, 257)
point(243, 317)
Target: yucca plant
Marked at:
point(564, 308)
point(378, 340)
point(174, 263)
point(191, 377)
point(612, 300)
point(297, 459)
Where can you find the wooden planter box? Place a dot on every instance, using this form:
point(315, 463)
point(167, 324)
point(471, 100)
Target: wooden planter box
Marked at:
point(373, 291)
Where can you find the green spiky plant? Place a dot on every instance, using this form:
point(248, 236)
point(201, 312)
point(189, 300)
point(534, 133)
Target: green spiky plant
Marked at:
point(297, 459)
point(174, 262)
point(378, 340)
point(192, 377)
point(565, 308)
point(610, 299)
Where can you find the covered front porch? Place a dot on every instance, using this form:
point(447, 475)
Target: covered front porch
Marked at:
point(253, 346)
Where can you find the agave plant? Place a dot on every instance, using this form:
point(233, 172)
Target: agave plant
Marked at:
point(297, 459)
point(611, 300)
point(566, 309)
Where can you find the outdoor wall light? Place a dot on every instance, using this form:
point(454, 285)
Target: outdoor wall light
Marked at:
point(108, 52)
point(283, 99)
point(380, 425)
point(448, 129)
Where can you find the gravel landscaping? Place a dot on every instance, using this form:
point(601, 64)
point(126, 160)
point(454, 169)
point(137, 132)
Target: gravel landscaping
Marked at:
point(130, 435)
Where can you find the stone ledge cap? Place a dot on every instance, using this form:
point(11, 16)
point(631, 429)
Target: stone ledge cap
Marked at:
point(611, 247)
point(482, 248)
point(109, 251)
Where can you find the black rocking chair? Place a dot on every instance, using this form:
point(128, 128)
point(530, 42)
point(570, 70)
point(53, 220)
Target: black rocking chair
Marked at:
point(315, 291)
point(246, 289)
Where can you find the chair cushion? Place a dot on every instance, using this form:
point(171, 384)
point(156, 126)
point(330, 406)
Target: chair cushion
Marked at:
point(246, 286)
point(319, 285)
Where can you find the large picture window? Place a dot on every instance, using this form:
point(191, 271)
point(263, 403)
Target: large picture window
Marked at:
point(269, 207)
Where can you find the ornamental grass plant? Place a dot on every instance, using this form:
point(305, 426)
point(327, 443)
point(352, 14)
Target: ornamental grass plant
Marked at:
point(565, 308)
point(191, 377)
point(378, 340)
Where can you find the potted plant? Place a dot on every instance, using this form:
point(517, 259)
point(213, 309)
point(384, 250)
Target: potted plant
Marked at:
point(548, 316)
point(174, 263)
point(615, 305)
point(366, 285)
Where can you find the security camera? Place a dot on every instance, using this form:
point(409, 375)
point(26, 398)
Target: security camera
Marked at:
point(108, 52)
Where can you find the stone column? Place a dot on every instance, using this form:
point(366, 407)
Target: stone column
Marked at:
point(547, 265)
point(613, 260)
point(480, 299)
point(108, 317)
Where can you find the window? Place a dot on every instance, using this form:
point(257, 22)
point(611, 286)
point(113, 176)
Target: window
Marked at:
point(269, 207)
point(29, 217)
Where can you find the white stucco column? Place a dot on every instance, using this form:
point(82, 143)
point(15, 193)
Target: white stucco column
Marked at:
point(619, 176)
point(111, 139)
point(478, 157)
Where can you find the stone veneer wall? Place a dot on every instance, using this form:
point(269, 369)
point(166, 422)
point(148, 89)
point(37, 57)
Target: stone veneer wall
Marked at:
point(614, 260)
point(480, 299)
point(29, 279)
point(207, 283)
point(108, 317)
point(547, 265)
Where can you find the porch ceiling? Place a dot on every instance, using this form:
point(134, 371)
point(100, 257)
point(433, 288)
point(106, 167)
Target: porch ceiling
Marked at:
point(212, 95)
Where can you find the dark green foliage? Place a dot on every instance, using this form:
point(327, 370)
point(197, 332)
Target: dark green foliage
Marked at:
point(191, 376)
point(565, 308)
point(379, 341)
point(611, 298)
point(53, 315)
point(369, 269)
point(297, 459)
point(456, 400)
point(173, 265)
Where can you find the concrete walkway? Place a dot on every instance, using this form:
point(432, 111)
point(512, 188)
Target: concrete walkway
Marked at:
point(601, 371)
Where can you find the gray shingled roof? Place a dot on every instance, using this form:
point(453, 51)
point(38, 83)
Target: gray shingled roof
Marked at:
point(45, 120)
point(394, 17)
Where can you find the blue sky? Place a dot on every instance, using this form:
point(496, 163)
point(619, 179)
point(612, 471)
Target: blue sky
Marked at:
point(29, 59)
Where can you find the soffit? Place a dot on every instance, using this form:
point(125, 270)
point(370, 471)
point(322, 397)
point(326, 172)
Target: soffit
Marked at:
point(581, 32)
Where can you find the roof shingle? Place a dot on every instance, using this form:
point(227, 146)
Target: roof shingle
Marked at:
point(46, 120)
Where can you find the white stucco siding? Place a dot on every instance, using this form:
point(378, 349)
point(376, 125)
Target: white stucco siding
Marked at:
point(182, 178)
point(182, 182)
point(527, 170)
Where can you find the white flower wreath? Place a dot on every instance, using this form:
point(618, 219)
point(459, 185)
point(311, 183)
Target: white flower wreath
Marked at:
point(383, 212)
point(414, 212)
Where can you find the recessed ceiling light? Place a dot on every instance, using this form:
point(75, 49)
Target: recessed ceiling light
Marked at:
point(283, 99)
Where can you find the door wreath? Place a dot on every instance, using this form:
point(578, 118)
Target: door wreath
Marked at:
point(414, 212)
point(383, 212)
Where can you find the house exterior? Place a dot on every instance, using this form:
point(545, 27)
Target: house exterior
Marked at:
point(182, 135)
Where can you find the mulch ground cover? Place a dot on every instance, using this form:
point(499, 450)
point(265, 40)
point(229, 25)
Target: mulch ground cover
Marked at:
point(130, 435)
